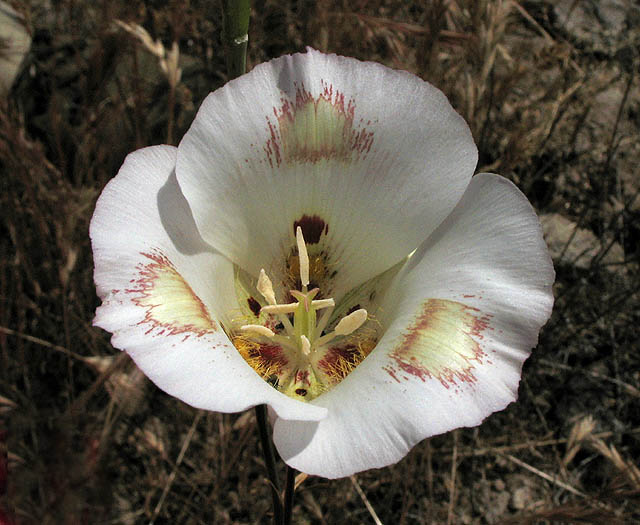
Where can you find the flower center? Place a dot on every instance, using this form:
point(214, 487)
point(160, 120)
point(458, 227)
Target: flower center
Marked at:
point(295, 354)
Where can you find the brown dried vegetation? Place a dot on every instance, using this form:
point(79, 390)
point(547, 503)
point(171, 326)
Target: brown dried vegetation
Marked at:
point(551, 93)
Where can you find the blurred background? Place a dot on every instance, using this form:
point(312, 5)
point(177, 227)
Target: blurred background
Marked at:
point(551, 92)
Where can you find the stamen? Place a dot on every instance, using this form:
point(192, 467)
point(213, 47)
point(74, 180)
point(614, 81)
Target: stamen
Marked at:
point(299, 336)
point(257, 329)
point(351, 322)
point(322, 323)
point(265, 287)
point(345, 326)
point(305, 344)
point(323, 303)
point(303, 256)
point(288, 308)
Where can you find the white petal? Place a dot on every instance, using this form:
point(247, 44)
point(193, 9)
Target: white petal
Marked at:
point(166, 294)
point(366, 159)
point(461, 319)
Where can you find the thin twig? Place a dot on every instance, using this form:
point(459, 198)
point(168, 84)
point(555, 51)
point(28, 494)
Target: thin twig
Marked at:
point(445, 453)
point(364, 499)
point(614, 132)
point(546, 476)
point(172, 476)
point(42, 342)
point(525, 14)
point(630, 389)
point(454, 469)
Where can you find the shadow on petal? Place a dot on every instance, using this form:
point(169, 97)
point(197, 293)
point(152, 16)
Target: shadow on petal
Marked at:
point(292, 437)
point(177, 219)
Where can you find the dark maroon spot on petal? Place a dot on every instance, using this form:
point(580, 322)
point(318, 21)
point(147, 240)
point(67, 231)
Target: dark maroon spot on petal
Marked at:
point(254, 306)
point(301, 391)
point(353, 309)
point(312, 228)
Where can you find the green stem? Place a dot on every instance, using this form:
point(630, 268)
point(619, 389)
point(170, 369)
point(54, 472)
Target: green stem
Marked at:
point(289, 490)
point(236, 35)
point(270, 461)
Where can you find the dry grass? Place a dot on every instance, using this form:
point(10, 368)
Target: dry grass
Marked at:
point(90, 441)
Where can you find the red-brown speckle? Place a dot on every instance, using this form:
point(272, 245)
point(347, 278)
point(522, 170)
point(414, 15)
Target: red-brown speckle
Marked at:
point(271, 357)
point(346, 141)
point(339, 361)
point(145, 292)
point(433, 357)
point(302, 376)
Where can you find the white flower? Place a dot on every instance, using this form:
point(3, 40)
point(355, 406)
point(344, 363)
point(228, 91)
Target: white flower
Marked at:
point(317, 243)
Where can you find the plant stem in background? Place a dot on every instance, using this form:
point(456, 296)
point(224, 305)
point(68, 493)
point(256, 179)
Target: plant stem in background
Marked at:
point(289, 489)
point(236, 38)
point(270, 460)
point(236, 35)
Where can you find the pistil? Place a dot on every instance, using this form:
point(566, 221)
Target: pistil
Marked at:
point(301, 324)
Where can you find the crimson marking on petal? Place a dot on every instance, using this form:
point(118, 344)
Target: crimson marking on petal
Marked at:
point(353, 309)
point(444, 343)
point(340, 361)
point(308, 129)
point(172, 307)
point(266, 359)
point(254, 306)
point(302, 376)
point(312, 228)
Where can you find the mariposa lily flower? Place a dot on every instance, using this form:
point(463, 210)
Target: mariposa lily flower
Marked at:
point(317, 243)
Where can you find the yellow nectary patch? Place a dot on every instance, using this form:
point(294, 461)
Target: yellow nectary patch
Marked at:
point(171, 305)
point(443, 343)
point(312, 128)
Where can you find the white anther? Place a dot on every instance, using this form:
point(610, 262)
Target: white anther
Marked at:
point(288, 308)
point(323, 303)
point(257, 329)
point(303, 256)
point(265, 287)
point(305, 344)
point(351, 322)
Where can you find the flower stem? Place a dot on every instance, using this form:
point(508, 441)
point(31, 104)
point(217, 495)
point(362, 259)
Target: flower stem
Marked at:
point(270, 461)
point(236, 35)
point(289, 490)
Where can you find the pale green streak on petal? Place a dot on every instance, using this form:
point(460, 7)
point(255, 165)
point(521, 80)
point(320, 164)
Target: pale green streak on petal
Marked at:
point(313, 128)
point(443, 342)
point(172, 306)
